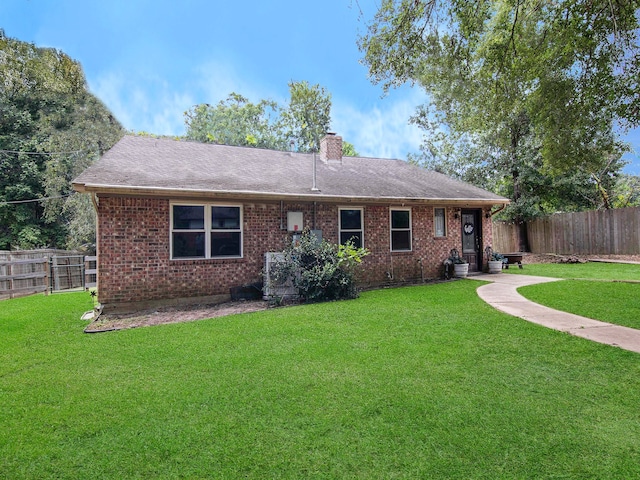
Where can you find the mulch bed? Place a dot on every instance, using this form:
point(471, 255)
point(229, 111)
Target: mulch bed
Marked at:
point(161, 316)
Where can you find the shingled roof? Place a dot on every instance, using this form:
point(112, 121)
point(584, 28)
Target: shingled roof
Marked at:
point(157, 166)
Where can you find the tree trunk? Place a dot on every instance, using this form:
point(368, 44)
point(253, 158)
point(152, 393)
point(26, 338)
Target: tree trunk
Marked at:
point(523, 242)
point(523, 237)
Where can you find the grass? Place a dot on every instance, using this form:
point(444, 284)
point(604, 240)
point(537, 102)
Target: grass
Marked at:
point(590, 270)
point(595, 290)
point(617, 303)
point(418, 382)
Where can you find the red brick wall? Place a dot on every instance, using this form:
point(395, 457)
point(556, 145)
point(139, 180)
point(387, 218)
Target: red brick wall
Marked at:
point(134, 258)
point(331, 147)
point(487, 236)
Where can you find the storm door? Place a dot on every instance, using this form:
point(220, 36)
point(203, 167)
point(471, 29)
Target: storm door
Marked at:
point(472, 239)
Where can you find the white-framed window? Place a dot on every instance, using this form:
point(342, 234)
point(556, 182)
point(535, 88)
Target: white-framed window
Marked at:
point(440, 222)
point(206, 231)
point(400, 222)
point(351, 226)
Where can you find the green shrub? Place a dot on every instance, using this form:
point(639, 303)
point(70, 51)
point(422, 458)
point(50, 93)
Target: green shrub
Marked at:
point(320, 271)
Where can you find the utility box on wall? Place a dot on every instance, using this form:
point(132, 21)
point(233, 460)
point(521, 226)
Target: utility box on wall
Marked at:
point(295, 221)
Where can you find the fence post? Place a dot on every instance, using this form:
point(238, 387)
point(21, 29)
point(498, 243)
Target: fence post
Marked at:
point(47, 273)
point(10, 275)
point(89, 271)
point(83, 272)
point(55, 273)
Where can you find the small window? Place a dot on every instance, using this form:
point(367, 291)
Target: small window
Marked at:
point(400, 230)
point(188, 236)
point(351, 226)
point(439, 222)
point(226, 235)
point(206, 231)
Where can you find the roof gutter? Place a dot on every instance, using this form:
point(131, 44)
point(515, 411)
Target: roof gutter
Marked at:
point(502, 207)
point(94, 201)
point(163, 192)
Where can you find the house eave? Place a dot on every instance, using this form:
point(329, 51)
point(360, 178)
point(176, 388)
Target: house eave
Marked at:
point(312, 196)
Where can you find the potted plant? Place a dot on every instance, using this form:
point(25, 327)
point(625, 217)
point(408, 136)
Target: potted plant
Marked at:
point(460, 265)
point(495, 260)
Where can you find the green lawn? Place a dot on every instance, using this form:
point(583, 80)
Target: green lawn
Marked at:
point(590, 270)
point(611, 302)
point(419, 382)
point(595, 290)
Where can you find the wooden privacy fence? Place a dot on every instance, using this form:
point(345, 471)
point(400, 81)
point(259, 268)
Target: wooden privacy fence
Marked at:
point(24, 273)
point(603, 232)
point(23, 277)
point(505, 237)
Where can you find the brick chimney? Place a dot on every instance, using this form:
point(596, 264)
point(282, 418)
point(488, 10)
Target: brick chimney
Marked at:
point(331, 148)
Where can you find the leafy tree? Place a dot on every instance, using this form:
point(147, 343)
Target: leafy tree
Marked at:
point(514, 86)
point(308, 115)
point(237, 121)
point(348, 150)
point(89, 131)
point(51, 128)
point(542, 189)
point(627, 192)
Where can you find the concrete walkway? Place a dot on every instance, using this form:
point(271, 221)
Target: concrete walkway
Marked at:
point(502, 294)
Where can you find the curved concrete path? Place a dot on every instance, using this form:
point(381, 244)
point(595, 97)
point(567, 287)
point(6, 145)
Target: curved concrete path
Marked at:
point(502, 294)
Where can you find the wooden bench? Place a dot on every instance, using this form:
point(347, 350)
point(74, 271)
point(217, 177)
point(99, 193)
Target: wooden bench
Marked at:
point(513, 258)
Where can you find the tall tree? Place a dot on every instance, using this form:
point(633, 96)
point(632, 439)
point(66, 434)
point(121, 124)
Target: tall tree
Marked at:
point(51, 127)
point(349, 150)
point(83, 133)
point(308, 115)
point(532, 84)
point(237, 121)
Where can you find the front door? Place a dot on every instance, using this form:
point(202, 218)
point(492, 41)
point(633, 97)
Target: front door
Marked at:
point(472, 239)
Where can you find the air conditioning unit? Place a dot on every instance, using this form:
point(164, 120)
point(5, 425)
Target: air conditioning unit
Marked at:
point(272, 288)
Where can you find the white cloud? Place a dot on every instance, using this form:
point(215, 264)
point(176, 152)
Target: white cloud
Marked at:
point(382, 131)
point(214, 82)
point(149, 103)
point(143, 103)
point(169, 117)
point(109, 89)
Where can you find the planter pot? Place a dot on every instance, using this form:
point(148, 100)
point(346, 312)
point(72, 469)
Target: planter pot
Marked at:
point(461, 270)
point(495, 266)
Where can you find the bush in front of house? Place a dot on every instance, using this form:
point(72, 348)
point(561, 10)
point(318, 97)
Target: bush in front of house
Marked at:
point(320, 270)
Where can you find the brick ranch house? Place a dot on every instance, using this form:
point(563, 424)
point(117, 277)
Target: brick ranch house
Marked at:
point(184, 221)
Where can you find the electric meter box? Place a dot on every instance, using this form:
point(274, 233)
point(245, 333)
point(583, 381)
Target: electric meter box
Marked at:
point(294, 222)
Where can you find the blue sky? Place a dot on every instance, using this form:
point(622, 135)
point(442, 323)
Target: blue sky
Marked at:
point(151, 60)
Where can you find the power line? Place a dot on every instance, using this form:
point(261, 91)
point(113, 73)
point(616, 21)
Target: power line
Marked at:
point(42, 153)
point(15, 202)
